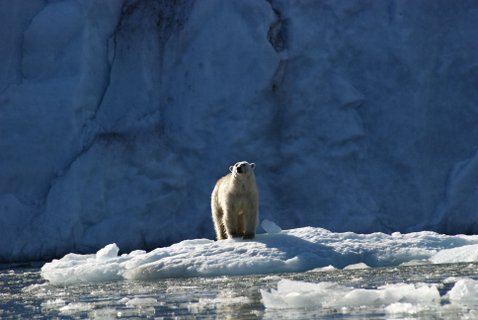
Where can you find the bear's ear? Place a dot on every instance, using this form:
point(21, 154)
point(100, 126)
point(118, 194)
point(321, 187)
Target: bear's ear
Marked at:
point(253, 165)
point(231, 168)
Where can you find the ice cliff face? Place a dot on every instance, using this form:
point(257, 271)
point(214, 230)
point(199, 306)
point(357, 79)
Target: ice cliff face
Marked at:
point(117, 117)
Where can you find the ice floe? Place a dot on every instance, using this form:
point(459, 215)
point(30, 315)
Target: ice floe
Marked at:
point(292, 250)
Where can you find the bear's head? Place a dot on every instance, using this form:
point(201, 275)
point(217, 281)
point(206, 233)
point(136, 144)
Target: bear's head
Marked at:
point(242, 169)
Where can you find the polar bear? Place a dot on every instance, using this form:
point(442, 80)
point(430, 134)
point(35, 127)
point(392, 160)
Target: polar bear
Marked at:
point(235, 203)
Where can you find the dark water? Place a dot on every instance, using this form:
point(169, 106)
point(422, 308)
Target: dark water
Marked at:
point(25, 295)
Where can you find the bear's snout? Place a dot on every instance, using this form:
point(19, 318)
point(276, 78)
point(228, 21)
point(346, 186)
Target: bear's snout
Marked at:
point(240, 169)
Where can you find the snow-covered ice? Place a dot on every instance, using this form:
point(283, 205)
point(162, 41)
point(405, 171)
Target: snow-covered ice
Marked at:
point(286, 251)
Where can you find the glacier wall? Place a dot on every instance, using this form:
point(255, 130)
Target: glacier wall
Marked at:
point(117, 117)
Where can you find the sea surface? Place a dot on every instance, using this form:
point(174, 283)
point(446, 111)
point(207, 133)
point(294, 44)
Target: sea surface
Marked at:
point(25, 295)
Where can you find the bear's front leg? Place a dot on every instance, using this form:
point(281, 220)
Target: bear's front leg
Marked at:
point(248, 236)
point(250, 224)
point(230, 224)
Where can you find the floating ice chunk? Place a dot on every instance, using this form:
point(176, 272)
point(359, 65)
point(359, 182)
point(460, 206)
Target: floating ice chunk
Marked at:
point(76, 268)
point(415, 262)
point(324, 269)
point(224, 299)
point(297, 294)
point(356, 266)
point(108, 252)
point(405, 307)
point(468, 253)
point(270, 227)
point(465, 291)
point(450, 280)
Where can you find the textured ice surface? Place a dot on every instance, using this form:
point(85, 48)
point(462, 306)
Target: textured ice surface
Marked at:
point(288, 251)
point(465, 291)
point(117, 117)
point(399, 298)
point(297, 294)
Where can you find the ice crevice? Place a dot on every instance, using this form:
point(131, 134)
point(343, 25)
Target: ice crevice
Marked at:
point(91, 129)
point(278, 38)
point(277, 33)
point(22, 75)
